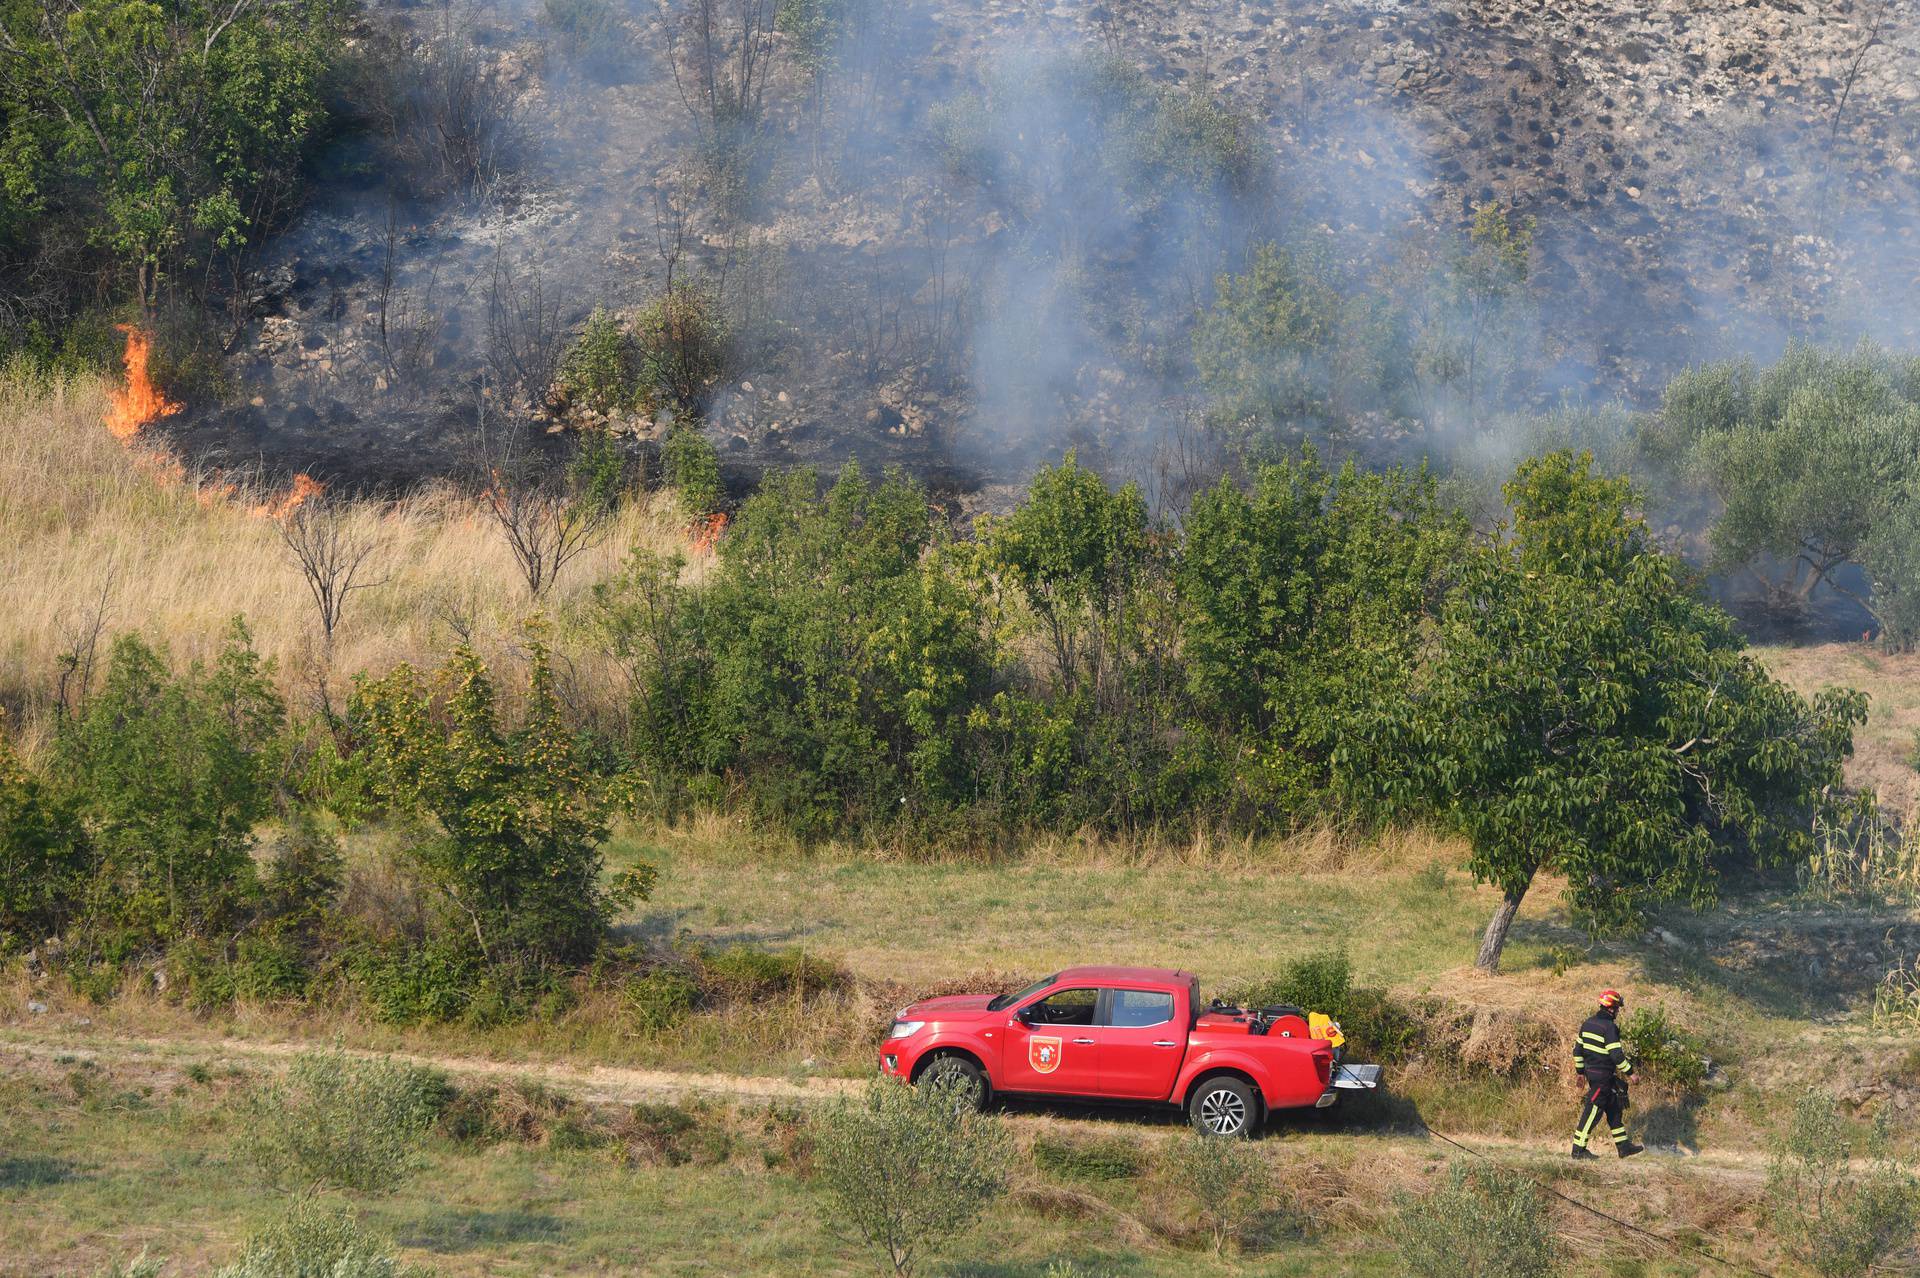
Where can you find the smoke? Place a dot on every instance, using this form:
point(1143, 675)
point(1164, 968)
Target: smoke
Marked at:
point(963, 238)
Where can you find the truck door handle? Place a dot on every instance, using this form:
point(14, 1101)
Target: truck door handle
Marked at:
point(1084, 1042)
point(1165, 1042)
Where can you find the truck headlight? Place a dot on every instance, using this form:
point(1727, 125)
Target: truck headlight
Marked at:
point(906, 1029)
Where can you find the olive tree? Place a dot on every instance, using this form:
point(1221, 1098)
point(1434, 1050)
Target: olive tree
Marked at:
point(1835, 1215)
point(909, 1167)
point(1815, 462)
point(1588, 712)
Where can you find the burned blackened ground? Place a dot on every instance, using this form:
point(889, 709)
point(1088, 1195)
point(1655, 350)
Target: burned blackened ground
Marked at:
point(1707, 180)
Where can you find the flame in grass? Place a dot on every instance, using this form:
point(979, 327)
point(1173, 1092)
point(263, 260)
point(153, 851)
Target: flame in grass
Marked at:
point(706, 532)
point(139, 402)
point(304, 489)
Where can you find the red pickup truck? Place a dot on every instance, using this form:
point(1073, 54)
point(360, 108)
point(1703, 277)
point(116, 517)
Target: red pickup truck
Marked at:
point(1127, 1034)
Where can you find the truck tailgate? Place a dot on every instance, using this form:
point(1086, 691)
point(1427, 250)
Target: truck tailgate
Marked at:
point(1355, 1078)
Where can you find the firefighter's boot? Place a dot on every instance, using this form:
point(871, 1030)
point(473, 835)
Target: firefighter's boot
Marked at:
point(1626, 1149)
point(1581, 1151)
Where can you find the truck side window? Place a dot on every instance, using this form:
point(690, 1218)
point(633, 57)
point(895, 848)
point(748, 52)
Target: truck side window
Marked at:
point(1068, 1007)
point(1137, 1009)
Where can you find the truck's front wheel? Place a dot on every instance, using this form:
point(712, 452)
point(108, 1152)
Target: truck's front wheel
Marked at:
point(967, 1081)
point(1224, 1106)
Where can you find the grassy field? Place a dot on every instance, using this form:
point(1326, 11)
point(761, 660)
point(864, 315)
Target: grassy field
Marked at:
point(95, 528)
point(104, 1161)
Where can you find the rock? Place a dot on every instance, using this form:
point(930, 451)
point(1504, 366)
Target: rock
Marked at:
point(36, 1008)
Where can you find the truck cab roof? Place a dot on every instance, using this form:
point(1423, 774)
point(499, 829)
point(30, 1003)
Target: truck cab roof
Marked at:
point(1108, 975)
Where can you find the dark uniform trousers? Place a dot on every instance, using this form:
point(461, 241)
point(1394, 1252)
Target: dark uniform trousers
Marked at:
point(1599, 1056)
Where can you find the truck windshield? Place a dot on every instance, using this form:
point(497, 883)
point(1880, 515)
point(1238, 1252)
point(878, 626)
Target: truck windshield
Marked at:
point(1007, 1000)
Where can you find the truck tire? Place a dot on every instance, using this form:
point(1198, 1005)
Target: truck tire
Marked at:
point(963, 1075)
point(1224, 1106)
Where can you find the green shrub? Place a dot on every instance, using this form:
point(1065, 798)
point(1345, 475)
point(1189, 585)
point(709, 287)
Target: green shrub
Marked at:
point(342, 1121)
point(1483, 1223)
point(589, 33)
point(909, 1167)
point(681, 341)
point(600, 369)
point(525, 1112)
point(1109, 1158)
point(662, 998)
point(673, 1135)
point(1837, 1218)
point(1655, 1043)
point(743, 972)
point(314, 1241)
point(1376, 1026)
point(409, 984)
point(1227, 1178)
point(43, 854)
point(511, 817)
point(172, 773)
point(692, 469)
point(141, 1266)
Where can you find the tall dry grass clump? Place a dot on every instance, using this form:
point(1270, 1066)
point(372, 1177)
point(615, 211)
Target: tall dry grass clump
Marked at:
point(101, 536)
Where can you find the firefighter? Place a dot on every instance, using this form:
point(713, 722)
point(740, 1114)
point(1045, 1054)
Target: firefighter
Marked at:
point(1604, 1066)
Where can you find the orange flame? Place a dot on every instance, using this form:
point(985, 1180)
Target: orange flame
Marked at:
point(305, 488)
point(706, 532)
point(140, 401)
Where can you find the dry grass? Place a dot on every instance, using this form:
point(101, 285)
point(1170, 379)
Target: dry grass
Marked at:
point(1884, 746)
point(91, 527)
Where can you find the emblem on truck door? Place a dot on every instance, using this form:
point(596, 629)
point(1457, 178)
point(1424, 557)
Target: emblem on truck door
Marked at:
point(1043, 1054)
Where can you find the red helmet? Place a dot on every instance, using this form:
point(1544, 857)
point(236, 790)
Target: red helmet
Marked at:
point(1611, 1000)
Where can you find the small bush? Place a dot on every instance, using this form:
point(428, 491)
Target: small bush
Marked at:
point(312, 1241)
point(682, 350)
point(1105, 1159)
point(599, 371)
point(1377, 1027)
point(910, 1167)
point(141, 1266)
point(672, 1135)
point(661, 999)
point(1227, 1178)
point(1836, 1219)
point(692, 469)
point(1667, 1052)
point(589, 33)
point(341, 1121)
point(524, 1112)
point(742, 972)
point(1483, 1223)
point(412, 984)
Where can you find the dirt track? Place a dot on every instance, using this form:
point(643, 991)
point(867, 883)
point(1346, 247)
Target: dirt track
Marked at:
point(613, 1085)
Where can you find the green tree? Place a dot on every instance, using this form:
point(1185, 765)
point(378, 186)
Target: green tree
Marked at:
point(1468, 332)
point(514, 819)
point(1301, 607)
point(168, 133)
point(1837, 1218)
point(599, 370)
point(171, 774)
point(1485, 1222)
point(910, 1167)
point(43, 854)
point(1288, 348)
point(1815, 462)
point(1588, 712)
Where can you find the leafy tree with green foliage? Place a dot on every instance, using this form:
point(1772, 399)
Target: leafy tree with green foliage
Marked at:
point(1485, 1222)
point(1301, 601)
point(830, 662)
point(513, 818)
point(165, 134)
point(1815, 461)
point(171, 773)
point(1289, 349)
point(1587, 711)
point(909, 1167)
point(44, 855)
point(598, 371)
point(1467, 330)
point(691, 468)
point(1838, 1219)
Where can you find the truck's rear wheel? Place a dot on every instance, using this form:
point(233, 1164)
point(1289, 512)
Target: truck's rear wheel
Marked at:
point(968, 1082)
point(1224, 1106)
